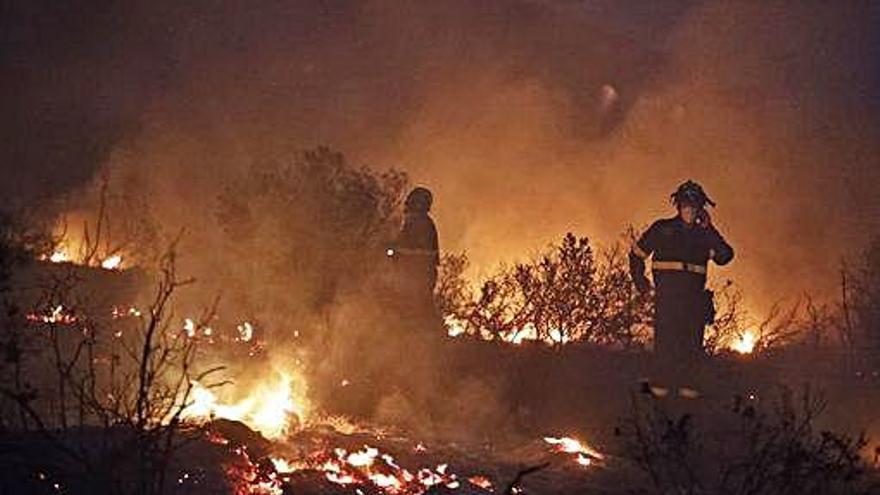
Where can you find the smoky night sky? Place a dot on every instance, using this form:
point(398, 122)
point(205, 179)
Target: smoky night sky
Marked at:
point(526, 118)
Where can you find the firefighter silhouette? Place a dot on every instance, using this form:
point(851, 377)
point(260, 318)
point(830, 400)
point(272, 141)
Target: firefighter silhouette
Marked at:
point(416, 256)
point(681, 248)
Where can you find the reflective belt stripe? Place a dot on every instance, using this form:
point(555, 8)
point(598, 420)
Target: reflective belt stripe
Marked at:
point(638, 251)
point(678, 265)
point(416, 252)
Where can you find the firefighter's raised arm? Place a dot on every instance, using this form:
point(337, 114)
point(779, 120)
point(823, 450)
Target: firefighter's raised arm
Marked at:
point(721, 252)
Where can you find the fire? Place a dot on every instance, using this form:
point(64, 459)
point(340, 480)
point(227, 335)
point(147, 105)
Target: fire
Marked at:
point(270, 409)
point(517, 336)
point(64, 254)
point(59, 257)
point(371, 467)
point(584, 454)
point(245, 332)
point(189, 326)
point(112, 263)
point(59, 314)
point(454, 326)
point(745, 343)
point(74, 246)
point(482, 482)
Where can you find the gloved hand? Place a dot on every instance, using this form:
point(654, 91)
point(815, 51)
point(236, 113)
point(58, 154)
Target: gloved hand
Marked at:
point(703, 218)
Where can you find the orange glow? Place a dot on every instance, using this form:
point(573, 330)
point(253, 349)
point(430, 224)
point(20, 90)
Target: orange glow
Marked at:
point(745, 343)
point(370, 467)
point(74, 247)
point(112, 263)
point(584, 454)
point(59, 314)
point(270, 408)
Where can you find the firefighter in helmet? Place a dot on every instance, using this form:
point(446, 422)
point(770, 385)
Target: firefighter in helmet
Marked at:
point(416, 254)
point(681, 248)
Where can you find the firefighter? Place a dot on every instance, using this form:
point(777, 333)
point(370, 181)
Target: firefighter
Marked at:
point(680, 248)
point(416, 254)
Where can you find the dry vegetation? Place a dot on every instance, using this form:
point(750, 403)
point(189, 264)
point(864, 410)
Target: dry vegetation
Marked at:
point(322, 223)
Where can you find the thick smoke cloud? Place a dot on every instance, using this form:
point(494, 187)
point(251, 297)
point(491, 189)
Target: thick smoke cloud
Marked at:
point(527, 118)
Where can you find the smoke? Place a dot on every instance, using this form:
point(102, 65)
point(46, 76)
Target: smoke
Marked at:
point(526, 118)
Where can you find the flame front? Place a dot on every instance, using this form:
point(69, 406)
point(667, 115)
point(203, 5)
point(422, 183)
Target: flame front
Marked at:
point(270, 409)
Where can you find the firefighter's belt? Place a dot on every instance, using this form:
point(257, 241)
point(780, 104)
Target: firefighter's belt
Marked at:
point(415, 252)
point(678, 265)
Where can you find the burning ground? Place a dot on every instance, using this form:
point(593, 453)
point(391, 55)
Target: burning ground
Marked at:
point(108, 391)
point(297, 366)
point(196, 294)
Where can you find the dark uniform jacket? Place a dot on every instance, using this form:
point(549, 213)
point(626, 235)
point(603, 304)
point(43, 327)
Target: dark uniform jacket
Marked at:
point(680, 254)
point(682, 306)
point(417, 250)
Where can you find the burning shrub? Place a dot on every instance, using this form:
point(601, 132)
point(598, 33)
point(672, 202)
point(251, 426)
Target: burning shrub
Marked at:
point(565, 295)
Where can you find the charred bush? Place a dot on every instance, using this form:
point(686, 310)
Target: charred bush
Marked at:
point(860, 307)
point(745, 449)
point(101, 399)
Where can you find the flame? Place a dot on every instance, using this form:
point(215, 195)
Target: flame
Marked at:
point(74, 246)
point(245, 332)
point(370, 467)
point(112, 263)
point(59, 257)
point(482, 482)
point(189, 326)
point(64, 254)
point(59, 314)
point(584, 453)
point(745, 343)
point(454, 326)
point(270, 408)
point(516, 336)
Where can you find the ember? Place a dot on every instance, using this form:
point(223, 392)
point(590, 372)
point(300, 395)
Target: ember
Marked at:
point(369, 467)
point(59, 314)
point(584, 454)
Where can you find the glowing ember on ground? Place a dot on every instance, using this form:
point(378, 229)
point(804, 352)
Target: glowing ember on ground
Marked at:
point(584, 453)
point(120, 312)
point(245, 332)
point(745, 343)
point(247, 478)
point(482, 482)
point(369, 467)
point(189, 326)
point(59, 314)
point(517, 336)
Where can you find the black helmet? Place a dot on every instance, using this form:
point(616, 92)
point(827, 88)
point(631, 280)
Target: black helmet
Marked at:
point(419, 200)
point(691, 192)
